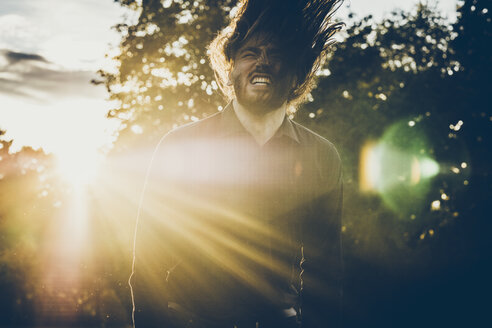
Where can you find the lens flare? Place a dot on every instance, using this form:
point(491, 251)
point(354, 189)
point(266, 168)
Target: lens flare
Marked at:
point(382, 167)
point(428, 167)
point(399, 167)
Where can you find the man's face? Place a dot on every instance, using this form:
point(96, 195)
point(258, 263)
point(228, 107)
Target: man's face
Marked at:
point(261, 75)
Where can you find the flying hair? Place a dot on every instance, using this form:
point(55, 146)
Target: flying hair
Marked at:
point(303, 29)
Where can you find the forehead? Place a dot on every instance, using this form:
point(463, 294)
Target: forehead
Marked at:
point(260, 41)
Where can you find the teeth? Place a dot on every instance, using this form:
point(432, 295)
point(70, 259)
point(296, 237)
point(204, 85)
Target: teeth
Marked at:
point(261, 79)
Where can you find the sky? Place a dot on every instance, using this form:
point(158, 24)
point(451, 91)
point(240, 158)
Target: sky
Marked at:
point(381, 8)
point(49, 52)
point(51, 49)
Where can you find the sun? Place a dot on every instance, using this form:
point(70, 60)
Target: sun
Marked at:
point(78, 168)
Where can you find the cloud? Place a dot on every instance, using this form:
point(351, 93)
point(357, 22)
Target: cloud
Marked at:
point(34, 78)
point(74, 34)
point(18, 32)
point(14, 57)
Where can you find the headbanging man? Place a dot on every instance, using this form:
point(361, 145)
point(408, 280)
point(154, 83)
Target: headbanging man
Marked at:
point(241, 221)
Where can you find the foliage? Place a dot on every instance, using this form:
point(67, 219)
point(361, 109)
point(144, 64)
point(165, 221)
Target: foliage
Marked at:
point(164, 77)
point(22, 226)
point(379, 75)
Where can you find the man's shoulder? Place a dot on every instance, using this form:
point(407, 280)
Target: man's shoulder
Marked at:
point(312, 139)
point(323, 155)
point(201, 128)
point(180, 144)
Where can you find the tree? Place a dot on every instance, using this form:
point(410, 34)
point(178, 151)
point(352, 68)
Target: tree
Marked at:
point(26, 199)
point(163, 77)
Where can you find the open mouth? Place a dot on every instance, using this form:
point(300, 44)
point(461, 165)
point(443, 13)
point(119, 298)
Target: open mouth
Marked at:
point(261, 80)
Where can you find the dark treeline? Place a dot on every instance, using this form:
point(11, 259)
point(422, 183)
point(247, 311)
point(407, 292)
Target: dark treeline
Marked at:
point(410, 80)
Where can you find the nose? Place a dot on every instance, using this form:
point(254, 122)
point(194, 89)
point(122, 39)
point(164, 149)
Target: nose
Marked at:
point(263, 59)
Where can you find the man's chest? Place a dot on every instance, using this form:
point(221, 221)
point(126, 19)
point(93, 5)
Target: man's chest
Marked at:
point(266, 181)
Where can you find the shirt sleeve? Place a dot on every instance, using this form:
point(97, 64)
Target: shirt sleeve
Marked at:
point(322, 263)
point(152, 256)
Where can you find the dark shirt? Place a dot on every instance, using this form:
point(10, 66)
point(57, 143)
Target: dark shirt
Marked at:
point(231, 229)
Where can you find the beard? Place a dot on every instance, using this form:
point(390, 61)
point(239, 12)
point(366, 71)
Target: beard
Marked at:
point(259, 102)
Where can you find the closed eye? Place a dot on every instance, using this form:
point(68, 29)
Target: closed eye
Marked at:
point(248, 54)
point(276, 56)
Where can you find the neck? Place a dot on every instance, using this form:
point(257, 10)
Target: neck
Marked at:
point(262, 126)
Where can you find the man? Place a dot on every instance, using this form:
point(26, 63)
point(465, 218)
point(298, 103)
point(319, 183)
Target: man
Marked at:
point(241, 220)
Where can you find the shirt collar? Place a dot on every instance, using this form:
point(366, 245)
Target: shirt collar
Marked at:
point(230, 125)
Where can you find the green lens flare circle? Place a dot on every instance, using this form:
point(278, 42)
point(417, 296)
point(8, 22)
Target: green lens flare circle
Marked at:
point(411, 161)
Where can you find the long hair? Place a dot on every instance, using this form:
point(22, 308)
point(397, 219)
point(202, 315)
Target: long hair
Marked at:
point(303, 29)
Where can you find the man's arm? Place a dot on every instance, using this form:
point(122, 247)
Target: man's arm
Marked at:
point(152, 253)
point(322, 247)
point(149, 280)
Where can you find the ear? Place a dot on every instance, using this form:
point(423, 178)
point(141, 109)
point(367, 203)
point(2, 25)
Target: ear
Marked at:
point(229, 79)
point(294, 82)
point(293, 85)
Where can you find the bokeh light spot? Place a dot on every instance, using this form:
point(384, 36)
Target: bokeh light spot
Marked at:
point(436, 205)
